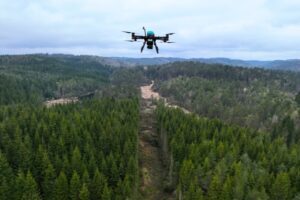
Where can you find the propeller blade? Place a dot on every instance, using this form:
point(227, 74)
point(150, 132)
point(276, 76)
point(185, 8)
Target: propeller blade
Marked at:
point(170, 33)
point(132, 41)
point(127, 32)
point(167, 42)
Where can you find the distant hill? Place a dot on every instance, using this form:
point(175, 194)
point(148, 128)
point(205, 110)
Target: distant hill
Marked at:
point(292, 64)
point(146, 61)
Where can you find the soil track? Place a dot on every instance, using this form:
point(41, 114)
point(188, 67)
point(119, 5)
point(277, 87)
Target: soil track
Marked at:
point(152, 171)
point(148, 94)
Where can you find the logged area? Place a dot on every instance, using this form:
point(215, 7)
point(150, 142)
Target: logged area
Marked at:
point(50, 103)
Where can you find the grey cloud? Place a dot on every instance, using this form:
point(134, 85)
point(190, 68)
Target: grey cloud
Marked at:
point(259, 29)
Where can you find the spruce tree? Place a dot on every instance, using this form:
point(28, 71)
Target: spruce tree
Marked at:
point(6, 177)
point(97, 185)
point(215, 188)
point(30, 188)
point(61, 187)
point(106, 194)
point(194, 191)
point(75, 186)
point(48, 183)
point(281, 187)
point(84, 193)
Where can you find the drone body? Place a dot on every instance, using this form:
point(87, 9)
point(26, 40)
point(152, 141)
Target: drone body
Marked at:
point(149, 39)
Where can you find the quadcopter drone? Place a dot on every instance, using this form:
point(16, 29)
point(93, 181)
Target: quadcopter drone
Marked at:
point(149, 38)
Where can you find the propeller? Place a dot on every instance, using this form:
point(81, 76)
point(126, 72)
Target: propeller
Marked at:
point(170, 33)
point(133, 41)
point(127, 32)
point(167, 42)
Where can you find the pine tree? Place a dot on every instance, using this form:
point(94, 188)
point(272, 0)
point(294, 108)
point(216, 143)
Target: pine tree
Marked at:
point(106, 194)
point(97, 185)
point(132, 169)
point(6, 176)
point(48, 183)
point(66, 167)
point(281, 187)
point(186, 175)
point(194, 192)
point(75, 186)
point(227, 189)
point(84, 193)
point(255, 194)
point(76, 161)
point(215, 189)
point(126, 187)
point(30, 188)
point(61, 187)
point(239, 181)
point(20, 185)
point(86, 177)
point(123, 189)
point(4, 190)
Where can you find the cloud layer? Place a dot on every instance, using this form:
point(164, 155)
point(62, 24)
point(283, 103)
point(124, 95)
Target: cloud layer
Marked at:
point(257, 29)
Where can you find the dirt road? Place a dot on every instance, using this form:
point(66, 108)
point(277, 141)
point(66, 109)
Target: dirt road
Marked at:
point(148, 93)
point(152, 171)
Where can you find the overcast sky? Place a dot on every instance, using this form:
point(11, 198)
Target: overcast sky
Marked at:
point(244, 29)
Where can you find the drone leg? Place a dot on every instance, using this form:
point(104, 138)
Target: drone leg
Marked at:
point(156, 47)
point(143, 46)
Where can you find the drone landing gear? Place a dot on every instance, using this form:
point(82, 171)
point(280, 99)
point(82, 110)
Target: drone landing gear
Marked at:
point(143, 46)
point(156, 47)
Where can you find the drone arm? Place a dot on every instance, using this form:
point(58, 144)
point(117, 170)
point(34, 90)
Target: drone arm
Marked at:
point(137, 37)
point(164, 39)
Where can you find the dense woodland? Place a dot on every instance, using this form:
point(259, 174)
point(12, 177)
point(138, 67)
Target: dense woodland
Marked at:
point(255, 98)
point(253, 155)
point(244, 145)
point(82, 151)
point(79, 151)
point(212, 160)
point(34, 78)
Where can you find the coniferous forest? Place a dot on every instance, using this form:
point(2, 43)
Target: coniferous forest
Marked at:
point(255, 98)
point(241, 141)
point(86, 150)
point(208, 159)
